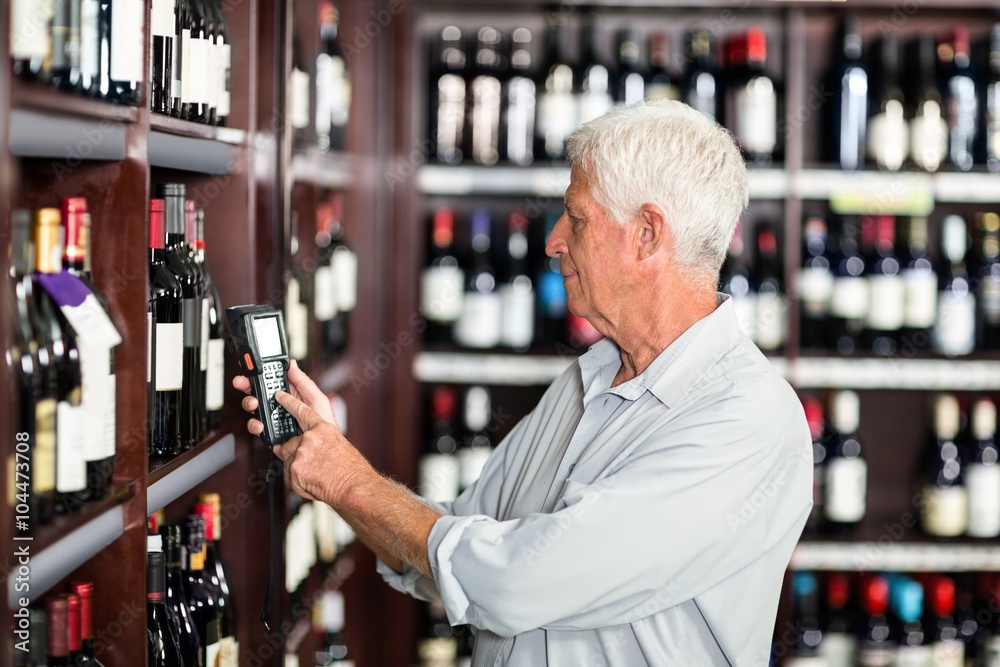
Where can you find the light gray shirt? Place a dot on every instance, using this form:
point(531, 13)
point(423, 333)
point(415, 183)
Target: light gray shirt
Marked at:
point(648, 523)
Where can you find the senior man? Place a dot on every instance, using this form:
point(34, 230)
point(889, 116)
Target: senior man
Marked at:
point(645, 511)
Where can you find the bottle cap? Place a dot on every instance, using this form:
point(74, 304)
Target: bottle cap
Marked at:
point(85, 591)
point(756, 45)
point(477, 408)
point(876, 595)
point(946, 417)
point(73, 210)
point(48, 240)
point(814, 416)
point(943, 596)
point(157, 224)
point(984, 419)
point(154, 543)
point(73, 604)
point(443, 403)
point(838, 590)
point(57, 608)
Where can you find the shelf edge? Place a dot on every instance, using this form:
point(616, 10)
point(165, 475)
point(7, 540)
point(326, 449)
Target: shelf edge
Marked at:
point(174, 151)
point(171, 486)
point(873, 555)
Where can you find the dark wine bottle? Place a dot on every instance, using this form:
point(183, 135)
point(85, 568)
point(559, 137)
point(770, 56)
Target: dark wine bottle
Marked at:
point(849, 107)
point(593, 92)
point(990, 127)
point(85, 591)
point(195, 75)
point(921, 289)
point(944, 501)
point(161, 644)
point(127, 50)
point(875, 646)
point(771, 307)
point(887, 290)
point(73, 628)
point(517, 132)
point(517, 292)
point(911, 638)
point(90, 47)
point(447, 86)
point(850, 299)
point(988, 297)
point(439, 467)
point(981, 471)
point(475, 447)
point(815, 284)
point(179, 60)
point(484, 97)
point(333, 88)
point(162, 23)
point(442, 282)
point(660, 85)
point(631, 84)
point(212, 57)
point(558, 108)
point(954, 331)
point(840, 643)
point(751, 100)
point(104, 88)
point(224, 55)
point(167, 340)
point(65, 29)
point(190, 234)
point(209, 507)
point(214, 347)
point(176, 599)
point(701, 79)
point(947, 647)
point(736, 281)
point(57, 608)
point(846, 474)
point(925, 108)
point(807, 632)
point(480, 324)
point(199, 593)
point(813, 409)
point(888, 132)
point(32, 359)
point(961, 100)
point(551, 291)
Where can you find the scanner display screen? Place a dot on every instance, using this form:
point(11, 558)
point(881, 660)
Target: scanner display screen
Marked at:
point(268, 339)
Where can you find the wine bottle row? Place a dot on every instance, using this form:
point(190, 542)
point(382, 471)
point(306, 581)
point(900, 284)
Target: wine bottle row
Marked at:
point(322, 288)
point(878, 620)
point(487, 284)
point(190, 61)
point(314, 534)
point(491, 101)
point(62, 358)
point(60, 631)
point(89, 47)
point(319, 101)
point(868, 293)
point(190, 614)
point(957, 491)
point(186, 353)
point(442, 644)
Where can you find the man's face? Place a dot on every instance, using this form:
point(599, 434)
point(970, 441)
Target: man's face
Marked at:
point(592, 252)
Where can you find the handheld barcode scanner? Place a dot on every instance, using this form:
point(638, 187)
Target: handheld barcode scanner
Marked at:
point(258, 336)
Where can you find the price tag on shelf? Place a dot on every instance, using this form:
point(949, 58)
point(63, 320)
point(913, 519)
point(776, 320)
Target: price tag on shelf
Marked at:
point(892, 194)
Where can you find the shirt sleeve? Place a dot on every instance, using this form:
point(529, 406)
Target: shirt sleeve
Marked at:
point(687, 508)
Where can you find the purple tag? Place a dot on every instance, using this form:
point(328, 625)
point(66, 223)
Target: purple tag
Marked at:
point(64, 287)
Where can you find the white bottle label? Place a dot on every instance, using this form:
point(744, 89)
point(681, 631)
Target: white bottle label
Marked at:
point(518, 312)
point(946, 653)
point(439, 477)
point(983, 485)
point(71, 466)
point(814, 661)
point(89, 39)
point(226, 656)
point(44, 465)
point(874, 657)
point(442, 292)
point(756, 112)
point(745, 308)
point(944, 511)
point(128, 40)
point(888, 136)
point(480, 322)
point(185, 74)
point(345, 274)
point(29, 28)
point(955, 329)
point(921, 299)
point(912, 656)
point(149, 347)
point(771, 310)
point(212, 652)
point(450, 116)
point(94, 365)
point(846, 489)
point(299, 103)
point(203, 354)
point(989, 299)
point(212, 74)
point(111, 418)
point(850, 298)
point(199, 74)
point(216, 380)
point(169, 356)
point(929, 137)
point(887, 305)
point(225, 64)
point(472, 461)
point(838, 649)
point(324, 294)
point(296, 321)
point(815, 286)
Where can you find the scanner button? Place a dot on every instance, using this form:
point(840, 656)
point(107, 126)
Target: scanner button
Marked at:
point(248, 361)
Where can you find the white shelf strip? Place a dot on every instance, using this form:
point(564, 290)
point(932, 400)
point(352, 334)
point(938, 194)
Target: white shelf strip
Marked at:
point(885, 554)
point(169, 487)
point(332, 170)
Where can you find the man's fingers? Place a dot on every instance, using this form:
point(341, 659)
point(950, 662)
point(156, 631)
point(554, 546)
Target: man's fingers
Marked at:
point(249, 403)
point(304, 384)
point(304, 415)
point(241, 383)
point(255, 426)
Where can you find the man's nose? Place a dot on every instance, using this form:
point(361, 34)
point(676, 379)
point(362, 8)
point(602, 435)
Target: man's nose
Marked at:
point(556, 243)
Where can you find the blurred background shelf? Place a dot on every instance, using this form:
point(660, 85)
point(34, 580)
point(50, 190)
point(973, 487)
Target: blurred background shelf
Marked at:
point(888, 555)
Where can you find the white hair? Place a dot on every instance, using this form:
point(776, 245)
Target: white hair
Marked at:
point(667, 154)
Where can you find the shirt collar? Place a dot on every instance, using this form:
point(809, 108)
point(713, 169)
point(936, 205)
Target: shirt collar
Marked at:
point(675, 370)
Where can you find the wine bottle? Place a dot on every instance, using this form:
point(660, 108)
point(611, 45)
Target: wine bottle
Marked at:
point(344, 263)
point(179, 60)
point(846, 474)
point(947, 647)
point(128, 45)
point(659, 83)
point(299, 84)
point(551, 291)
point(808, 635)
point(925, 113)
point(333, 89)
point(65, 62)
point(849, 106)
point(438, 644)
point(97, 360)
point(214, 350)
point(988, 297)
point(201, 383)
point(180, 264)
point(73, 639)
point(594, 81)
point(209, 506)
point(701, 79)
point(166, 299)
point(198, 590)
point(875, 647)
point(104, 88)
point(161, 27)
point(751, 101)
point(771, 307)
point(631, 84)
point(161, 646)
point(175, 598)
point(849, 302)
point(982, 471)
point(480, 324)
point(476, 445)
point(30, 45)
point(447, 111)
point(517, 131)
point(326, 304)
point(558, 108)
point(195, 73)
point(990, 128)
point(814, 284)
point(439, 467)
point(442, 280)
point(333, 650)
point(954, 331)
point(212, 74)
point(888, 131)
point(961, 102)
point(299, 301)
point(90, 53)
point(913, 644)
point(32, 357)
point(57, 608)
point(71, 466)
point(840, 641)
point(483, 103)
point(736, 282)
point(517, 293)
point(921, 281)
point(944, 501)
point(887, 290)
point(813, 409)
point(225, 48)
point(85, 591)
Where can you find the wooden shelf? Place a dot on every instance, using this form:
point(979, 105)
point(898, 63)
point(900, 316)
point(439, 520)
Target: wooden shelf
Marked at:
point(37, 96)
point(181, 144)
point(170, 478)
point(185, 128)
point(65, 137)
point(328, 170)
point(486, 5)
point(888, 555)
point(900, 186)
point(58, 548)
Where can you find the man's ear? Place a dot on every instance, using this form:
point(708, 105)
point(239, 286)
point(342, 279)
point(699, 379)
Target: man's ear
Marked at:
point(653, 234)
